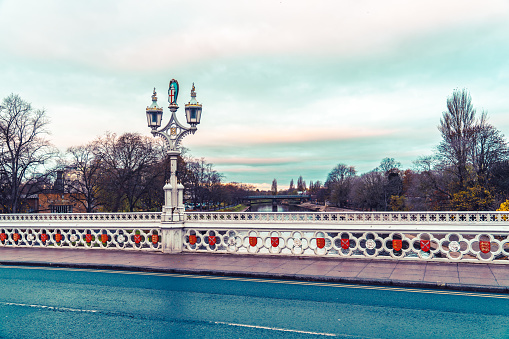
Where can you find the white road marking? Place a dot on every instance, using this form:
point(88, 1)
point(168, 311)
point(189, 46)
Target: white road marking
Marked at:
point(53, 308)
point(275, 329)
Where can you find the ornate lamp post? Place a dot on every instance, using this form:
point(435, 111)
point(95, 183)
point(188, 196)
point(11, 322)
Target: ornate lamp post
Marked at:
point(173, 133)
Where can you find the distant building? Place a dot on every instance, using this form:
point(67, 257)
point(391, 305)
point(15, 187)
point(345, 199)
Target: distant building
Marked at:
point(54, 200)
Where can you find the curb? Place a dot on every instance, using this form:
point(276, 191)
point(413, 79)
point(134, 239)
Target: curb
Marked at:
point(261, 275)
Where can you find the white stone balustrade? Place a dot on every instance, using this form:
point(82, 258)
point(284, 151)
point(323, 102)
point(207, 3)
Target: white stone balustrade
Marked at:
point(431, 236)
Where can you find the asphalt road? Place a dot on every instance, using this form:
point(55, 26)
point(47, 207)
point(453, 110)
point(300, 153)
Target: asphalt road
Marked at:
point(51, 303)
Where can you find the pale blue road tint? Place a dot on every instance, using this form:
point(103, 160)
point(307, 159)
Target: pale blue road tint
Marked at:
point(64, 303)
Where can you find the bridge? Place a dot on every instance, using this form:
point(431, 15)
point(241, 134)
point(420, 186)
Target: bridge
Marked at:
point(275, 198)
point(413, 236)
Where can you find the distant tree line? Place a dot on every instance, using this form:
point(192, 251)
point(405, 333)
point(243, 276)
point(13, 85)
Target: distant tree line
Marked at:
point(469, 170)
point(127, 173)
point(111, 173)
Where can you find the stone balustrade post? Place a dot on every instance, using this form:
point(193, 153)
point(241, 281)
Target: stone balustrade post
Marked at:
point(167, 214)
point(172, 237)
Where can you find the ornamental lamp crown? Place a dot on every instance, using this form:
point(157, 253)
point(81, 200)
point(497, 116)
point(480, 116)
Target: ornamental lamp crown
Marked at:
point(154, 113)
point(193, 110)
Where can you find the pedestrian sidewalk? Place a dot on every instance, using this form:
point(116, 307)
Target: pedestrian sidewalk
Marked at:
point(458, 276)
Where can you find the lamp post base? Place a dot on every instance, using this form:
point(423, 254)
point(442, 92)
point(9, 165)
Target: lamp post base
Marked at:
point(172, 237)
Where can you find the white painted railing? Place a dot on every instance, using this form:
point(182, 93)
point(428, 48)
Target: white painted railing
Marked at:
point(431, 236)
point(478, 218)
point(436, 236)
point(121, 231)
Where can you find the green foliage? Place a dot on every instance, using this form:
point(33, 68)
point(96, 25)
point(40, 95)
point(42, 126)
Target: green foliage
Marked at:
point(237, 208)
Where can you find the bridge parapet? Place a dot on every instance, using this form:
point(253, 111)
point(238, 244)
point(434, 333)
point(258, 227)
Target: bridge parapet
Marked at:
point(34, 218)
point(121, 231)
point(429, 236)
point(500, 220)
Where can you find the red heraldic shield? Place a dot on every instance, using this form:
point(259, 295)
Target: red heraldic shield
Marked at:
point(44, 237)
point(397, 244)
point(253, 241)
point(155, 238)
point(425, 245)
point(485, 246)
point(212, 240)
point(137, 238)
point(3, 236)
point(15, 236)
point(192, 239)
point(320, 242)
point(58, 237)
point(104, 238)
point(88, 237)
point(274, 241)
point(345, 244)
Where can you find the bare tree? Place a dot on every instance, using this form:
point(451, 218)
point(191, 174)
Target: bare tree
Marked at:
point(84, 184)
point(368, 191)
point(393, 183)
point(389, 164)
point(301, 184)
point(489, 148)
point(457, 127)
point(126, 162)
point(203, 180)
point(274, 187)
point(291, 188)
point(23, 149)
point(339, 183)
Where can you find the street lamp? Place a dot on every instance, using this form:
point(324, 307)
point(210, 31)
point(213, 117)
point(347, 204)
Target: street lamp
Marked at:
point(173, 133)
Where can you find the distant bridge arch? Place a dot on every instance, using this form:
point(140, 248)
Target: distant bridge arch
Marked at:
point(275, 198)
point(278, 197)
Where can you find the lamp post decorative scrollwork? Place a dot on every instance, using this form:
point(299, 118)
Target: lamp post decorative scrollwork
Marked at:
point(173, 133)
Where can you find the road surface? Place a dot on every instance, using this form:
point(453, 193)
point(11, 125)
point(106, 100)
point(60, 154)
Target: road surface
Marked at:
point(63, 303)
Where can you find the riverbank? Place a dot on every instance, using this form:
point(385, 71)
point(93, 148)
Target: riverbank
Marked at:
point(321, 208)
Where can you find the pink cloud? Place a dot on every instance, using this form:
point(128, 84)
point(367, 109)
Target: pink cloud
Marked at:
point(251, 161)
point(290, 135)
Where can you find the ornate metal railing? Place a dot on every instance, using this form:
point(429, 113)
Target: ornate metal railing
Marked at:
point(352, 217)
point(76, 237)
point(92, 217)
point(433, 236)
point(121, 231)
point(480, 246)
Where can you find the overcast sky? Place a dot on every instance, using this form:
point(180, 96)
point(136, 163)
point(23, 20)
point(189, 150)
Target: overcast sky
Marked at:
point(288, 88)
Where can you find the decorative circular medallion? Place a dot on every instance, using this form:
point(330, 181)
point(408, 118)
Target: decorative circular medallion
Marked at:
point(297, 242)
point(454, 246)
point(231, 241)
point(370, 244)
point(73, 238)
point(31, 237)
point(120, 239)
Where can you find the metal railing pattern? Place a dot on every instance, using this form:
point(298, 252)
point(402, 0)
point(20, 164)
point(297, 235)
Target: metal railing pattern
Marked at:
point(92, 217)
point(382, 244)
point(119, 231)
point(432, 236)
point(351, 217)
point(89, 238)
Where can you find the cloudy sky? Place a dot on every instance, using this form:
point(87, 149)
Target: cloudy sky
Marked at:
point(288, 88)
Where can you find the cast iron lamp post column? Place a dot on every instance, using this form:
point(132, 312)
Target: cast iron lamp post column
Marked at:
point(173, 133)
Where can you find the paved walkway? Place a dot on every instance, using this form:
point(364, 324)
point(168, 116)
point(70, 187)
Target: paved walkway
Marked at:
point(460, 276)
